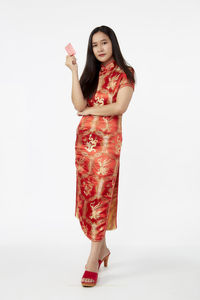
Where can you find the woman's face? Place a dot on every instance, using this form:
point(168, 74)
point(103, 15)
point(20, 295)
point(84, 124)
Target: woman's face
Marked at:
point(101, 44)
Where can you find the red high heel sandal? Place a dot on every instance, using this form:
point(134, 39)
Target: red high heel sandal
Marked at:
point(105, 260)
point(89, 278)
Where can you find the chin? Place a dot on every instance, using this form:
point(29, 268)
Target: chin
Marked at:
point(102, 58)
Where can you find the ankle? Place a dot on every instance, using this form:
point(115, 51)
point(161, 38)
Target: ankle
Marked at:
point(92, 262)
point(104, 249)
point(93, 258)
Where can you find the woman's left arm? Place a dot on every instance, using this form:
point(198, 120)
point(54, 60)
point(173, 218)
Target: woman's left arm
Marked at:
point(124, 96)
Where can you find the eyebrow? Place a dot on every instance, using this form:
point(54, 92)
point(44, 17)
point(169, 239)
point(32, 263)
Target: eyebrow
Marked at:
point(100, 41)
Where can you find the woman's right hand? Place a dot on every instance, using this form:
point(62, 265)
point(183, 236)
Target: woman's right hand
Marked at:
point(71, 62)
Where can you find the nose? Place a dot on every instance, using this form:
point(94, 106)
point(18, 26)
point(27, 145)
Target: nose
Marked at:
point(100, 48)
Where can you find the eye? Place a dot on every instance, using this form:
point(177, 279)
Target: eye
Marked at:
point(96, 45)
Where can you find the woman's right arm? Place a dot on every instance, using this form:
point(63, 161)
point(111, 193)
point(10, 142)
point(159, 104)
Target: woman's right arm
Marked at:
point(77, 96)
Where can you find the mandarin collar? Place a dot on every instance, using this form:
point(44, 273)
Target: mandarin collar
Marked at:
point(109, 66)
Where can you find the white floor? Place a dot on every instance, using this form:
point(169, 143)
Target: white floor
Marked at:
point(49, 272)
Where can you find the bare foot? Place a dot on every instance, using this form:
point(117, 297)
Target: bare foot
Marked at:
point(92, 266)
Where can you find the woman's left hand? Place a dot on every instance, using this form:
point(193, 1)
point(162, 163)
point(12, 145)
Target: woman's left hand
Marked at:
point(86, 111)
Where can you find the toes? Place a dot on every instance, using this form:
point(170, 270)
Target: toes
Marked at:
point(87, 280)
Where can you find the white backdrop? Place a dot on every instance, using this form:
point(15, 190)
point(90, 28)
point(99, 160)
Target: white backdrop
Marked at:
point(159, 192)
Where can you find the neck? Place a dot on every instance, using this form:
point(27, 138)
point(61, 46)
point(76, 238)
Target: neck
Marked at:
point(106, 63)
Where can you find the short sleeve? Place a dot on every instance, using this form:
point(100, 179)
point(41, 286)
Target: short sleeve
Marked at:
point(125, 81)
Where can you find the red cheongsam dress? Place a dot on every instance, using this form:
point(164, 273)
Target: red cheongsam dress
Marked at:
point(97, 157)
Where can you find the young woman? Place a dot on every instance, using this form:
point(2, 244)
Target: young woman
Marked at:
point(101, 97)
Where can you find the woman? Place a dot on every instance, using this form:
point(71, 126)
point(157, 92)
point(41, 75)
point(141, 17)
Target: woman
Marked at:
point(101, 97)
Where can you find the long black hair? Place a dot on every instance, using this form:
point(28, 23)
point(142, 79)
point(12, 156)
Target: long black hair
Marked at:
point(90, 75)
